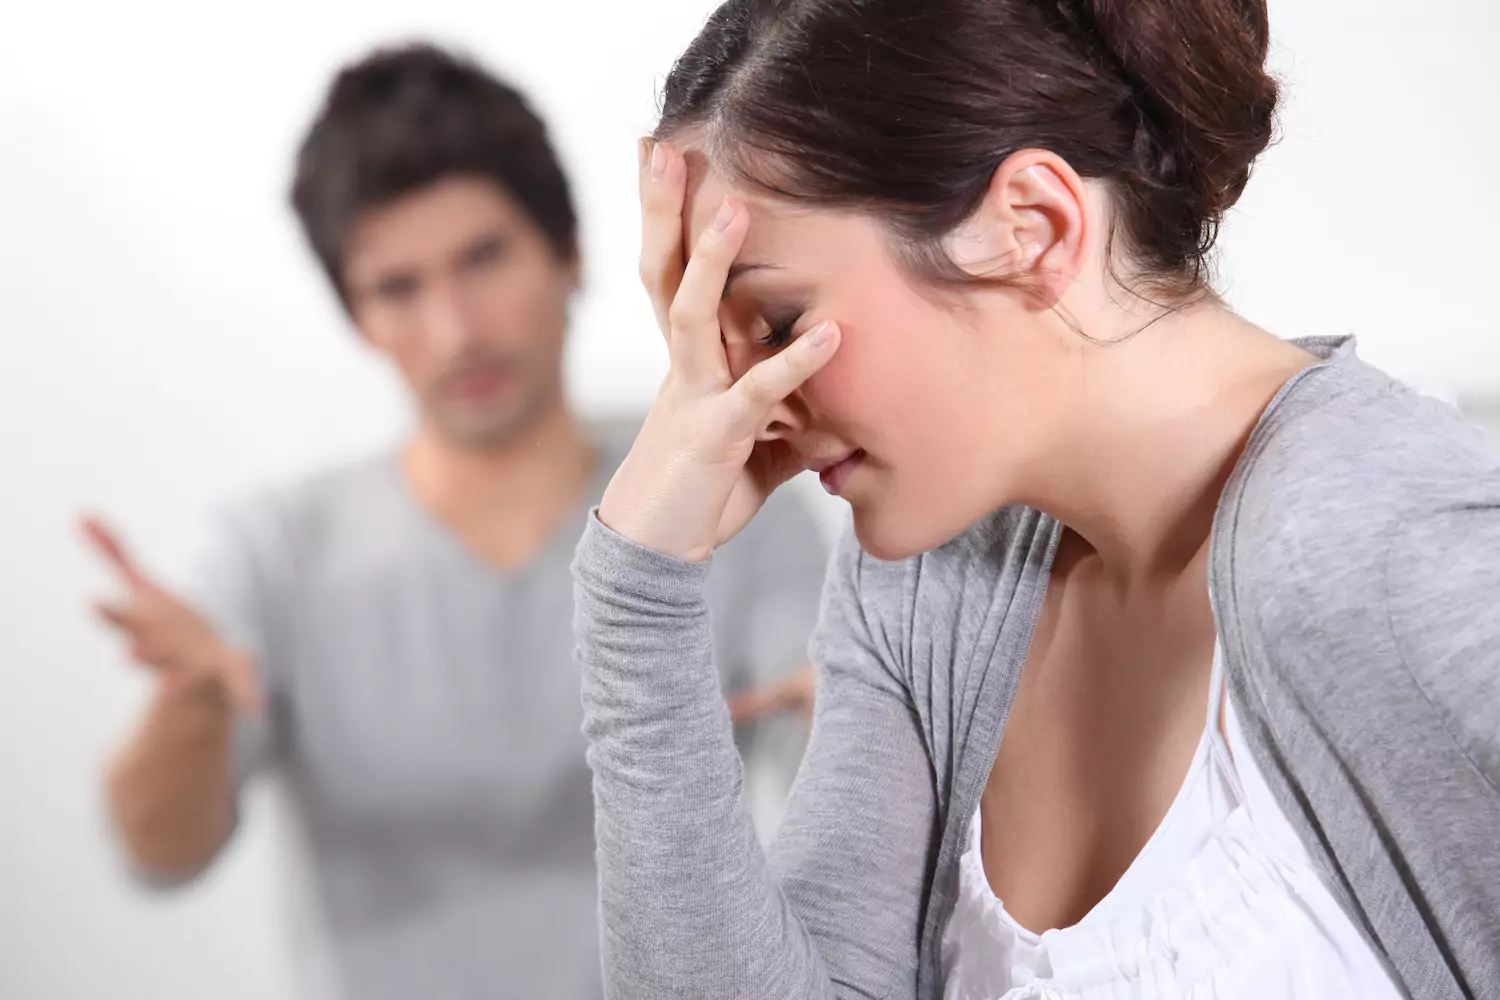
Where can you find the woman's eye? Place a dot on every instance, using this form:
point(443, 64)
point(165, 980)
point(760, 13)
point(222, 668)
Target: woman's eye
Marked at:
point(778, 335)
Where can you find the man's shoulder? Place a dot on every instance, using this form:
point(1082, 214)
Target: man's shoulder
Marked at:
point(271, 522)
point(784, 546)
point(612, 437)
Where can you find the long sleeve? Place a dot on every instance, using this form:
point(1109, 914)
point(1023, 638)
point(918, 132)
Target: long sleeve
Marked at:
point(690, 904)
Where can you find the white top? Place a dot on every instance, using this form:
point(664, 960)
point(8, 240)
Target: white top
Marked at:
point(1223, 903)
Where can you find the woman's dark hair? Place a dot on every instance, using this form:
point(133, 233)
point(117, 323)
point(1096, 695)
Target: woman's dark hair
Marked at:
point(403, 118)
point(906, 108)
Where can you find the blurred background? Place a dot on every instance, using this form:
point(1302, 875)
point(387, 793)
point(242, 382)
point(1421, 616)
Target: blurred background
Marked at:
point(168, 342)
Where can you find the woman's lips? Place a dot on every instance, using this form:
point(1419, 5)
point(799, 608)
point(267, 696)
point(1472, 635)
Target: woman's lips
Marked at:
point(835, 473)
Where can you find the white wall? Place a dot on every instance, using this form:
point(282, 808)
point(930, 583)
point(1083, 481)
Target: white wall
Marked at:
point(164, 340)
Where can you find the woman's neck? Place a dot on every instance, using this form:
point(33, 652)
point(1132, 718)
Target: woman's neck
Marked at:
point(1139, 475)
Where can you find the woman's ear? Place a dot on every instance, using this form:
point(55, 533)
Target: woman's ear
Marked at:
point(1031, 227)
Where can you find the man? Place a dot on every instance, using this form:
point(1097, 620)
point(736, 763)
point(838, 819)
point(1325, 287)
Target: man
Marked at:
point(397, 634)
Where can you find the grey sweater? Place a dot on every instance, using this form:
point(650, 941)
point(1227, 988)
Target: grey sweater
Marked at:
point(1355, 578)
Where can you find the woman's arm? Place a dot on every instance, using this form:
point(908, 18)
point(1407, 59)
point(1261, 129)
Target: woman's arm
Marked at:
point(690, 905)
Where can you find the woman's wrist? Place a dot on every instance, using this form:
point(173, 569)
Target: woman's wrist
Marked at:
point(610, 562)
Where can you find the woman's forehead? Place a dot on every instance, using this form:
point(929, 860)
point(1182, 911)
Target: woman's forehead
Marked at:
point(707, 188)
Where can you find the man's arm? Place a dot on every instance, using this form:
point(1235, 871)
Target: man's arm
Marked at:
point(171, 788)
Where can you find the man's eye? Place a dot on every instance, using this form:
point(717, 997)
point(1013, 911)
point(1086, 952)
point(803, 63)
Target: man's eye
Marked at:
point(488, 251)
point(396, 289)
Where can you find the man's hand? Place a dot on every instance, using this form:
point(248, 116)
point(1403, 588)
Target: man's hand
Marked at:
point(793, 693)
point(169, 637)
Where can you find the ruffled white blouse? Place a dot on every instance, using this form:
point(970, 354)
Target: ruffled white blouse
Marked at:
point(1223, 903)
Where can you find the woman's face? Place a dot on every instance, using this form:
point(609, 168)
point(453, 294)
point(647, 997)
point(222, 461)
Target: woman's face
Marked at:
point(940, 399)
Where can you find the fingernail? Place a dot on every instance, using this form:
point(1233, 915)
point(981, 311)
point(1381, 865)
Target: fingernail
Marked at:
point(642, 152)
point(658, 162)
point(725, 216)
point(820, 334)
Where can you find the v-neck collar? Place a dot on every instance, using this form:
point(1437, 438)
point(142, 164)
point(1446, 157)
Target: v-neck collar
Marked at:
point(992, 707)
point(565, 532)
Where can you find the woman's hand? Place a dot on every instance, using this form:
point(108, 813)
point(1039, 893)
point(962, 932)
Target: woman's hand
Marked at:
point(703, 463)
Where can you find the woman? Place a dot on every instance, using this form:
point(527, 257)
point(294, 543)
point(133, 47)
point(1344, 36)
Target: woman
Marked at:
point(1163, 660)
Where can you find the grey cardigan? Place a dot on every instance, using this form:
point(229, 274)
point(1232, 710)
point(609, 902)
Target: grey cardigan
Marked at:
point(1355, 578)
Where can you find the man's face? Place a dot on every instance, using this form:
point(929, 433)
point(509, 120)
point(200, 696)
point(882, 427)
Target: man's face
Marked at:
point(461, 289)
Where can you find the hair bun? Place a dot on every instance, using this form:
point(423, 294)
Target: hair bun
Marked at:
point(906, 109)
point(1208, 105)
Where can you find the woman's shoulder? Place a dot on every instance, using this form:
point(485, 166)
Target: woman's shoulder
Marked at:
point(1347, 451)
point(950, 589)
point(1357, 495)
point(999, 539)
point(1357, 561)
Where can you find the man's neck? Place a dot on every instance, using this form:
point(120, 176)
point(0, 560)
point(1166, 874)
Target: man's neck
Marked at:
point(504, 502)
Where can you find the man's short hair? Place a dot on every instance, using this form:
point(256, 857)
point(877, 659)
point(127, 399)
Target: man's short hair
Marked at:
point(403, 118)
